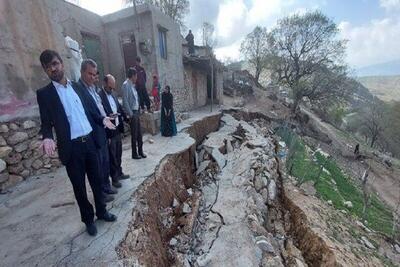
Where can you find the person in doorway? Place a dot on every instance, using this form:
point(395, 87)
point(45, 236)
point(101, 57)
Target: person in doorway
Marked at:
point(168, 124)
point(155, 92)
point(141, 85)
point(87, 84)
point(190, 40)
point(63, 108)
point(114, 110)
point(130, 102)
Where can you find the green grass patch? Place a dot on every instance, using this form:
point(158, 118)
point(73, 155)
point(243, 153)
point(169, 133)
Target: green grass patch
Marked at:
point(306, 167)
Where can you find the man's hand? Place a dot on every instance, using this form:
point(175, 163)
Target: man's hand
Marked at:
point(108, 124)
point(49, 146)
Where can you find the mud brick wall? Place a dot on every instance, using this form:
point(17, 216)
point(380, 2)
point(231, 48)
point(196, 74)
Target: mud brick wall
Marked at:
point(20, 153)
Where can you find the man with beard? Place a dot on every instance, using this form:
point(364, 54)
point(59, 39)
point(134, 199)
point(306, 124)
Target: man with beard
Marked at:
point(63, 107)
point(114, 110)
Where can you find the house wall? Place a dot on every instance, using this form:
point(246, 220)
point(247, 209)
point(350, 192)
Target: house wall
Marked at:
point(195, 86)
point(27, 28)
point(170, 70)
point(120, 23)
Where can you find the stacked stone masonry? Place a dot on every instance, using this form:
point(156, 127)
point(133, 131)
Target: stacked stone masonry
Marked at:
point(20, 153)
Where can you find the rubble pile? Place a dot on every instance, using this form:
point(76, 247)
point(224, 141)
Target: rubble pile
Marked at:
point(238, 221)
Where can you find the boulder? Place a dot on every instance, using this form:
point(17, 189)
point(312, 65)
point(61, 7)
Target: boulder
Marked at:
point(25, 173)
point(5, 151)
point(21, 147)
point(217, 156)
point(29, 124)
point(186, 208)
point(367, 243)
point(37, 164)
point(203, 166)
point(2, 141)
point(348, 204)
point(397, 248)
point(4, 128)
point(3, 165)
point(17, 138)
point(260, 182)
point(263, 243)
point(272, 190)
point(175, 203)
point(13, 158)
point(173, 242)
point(14, 126)
point(16, 168)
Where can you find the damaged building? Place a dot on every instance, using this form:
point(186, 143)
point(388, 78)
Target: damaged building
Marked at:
point(113, 41)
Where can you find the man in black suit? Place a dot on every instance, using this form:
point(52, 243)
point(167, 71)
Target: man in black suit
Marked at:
point(64, 108)
point(114, 110)
point(87, 85)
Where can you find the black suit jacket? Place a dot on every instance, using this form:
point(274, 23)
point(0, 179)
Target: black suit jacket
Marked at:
point(52, 114)
point(107, 108)
point(98, 129)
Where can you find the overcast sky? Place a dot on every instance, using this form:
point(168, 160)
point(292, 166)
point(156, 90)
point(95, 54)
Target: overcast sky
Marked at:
point(371, 26)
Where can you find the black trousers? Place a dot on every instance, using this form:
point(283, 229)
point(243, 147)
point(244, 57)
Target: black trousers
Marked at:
point(143, 97)
point(136, 134)
point(84, 160)
point(104, 167)
point(115, 152)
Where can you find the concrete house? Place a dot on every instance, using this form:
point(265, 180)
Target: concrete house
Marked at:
point(113, 41)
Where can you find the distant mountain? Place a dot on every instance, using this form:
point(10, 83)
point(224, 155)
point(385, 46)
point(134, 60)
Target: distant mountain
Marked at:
point(386, 88)
point(383, 69)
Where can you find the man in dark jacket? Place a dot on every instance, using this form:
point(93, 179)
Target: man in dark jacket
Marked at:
point(114, 110)
point(89, 89)
point(64, 107)
point(141, 85)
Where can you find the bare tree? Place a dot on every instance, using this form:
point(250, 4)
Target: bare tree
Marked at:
point(176, 9)
point(209, 39)
point(255, 50)
point(373, 121)
point(303, 49)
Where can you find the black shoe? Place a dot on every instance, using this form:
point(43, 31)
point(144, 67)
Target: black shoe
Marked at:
point(91, 229)
point(136, 157)
point(108, 198)
point(142, 155)
point(124, 177)
point(108, 217)
point(116, 184)
point(111, 191)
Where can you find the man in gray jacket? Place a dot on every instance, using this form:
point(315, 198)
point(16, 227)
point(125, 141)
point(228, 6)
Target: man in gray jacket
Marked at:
point(130, 102)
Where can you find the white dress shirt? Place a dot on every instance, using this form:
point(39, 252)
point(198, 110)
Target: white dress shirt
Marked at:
point(114, 106)
point(78, 122)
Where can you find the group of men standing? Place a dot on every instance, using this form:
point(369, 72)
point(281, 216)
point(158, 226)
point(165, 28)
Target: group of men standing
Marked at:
point(88, 123)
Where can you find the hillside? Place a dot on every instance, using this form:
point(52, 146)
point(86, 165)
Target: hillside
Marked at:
point(383, 69)
point(385, 87)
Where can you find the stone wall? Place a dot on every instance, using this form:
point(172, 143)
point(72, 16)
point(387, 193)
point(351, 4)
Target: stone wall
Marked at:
point(20, 153)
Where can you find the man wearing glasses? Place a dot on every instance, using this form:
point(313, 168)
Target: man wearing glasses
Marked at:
point(64, 107)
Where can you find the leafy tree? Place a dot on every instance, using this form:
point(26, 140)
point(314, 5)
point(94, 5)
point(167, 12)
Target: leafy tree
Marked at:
point(307, 56)
point(255, 50)
point(176, 9)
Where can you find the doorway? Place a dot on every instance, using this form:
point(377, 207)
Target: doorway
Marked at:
point(128, 44)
